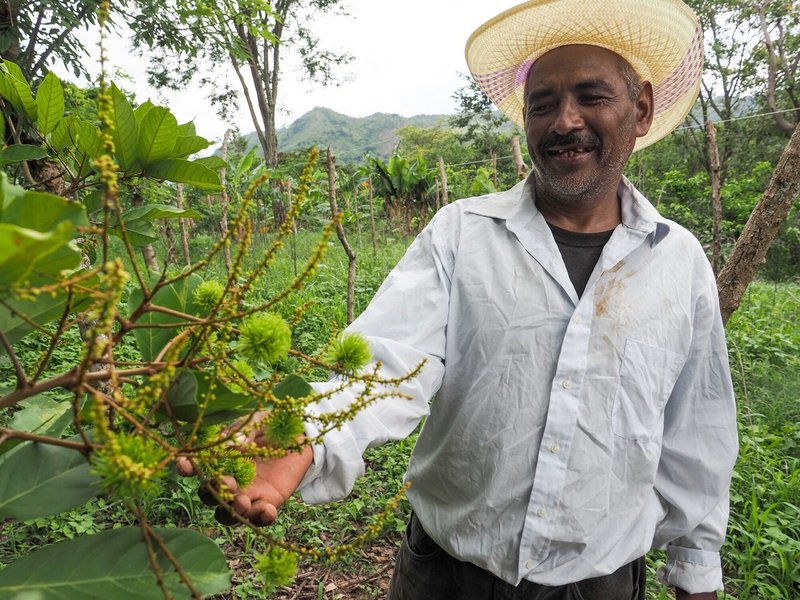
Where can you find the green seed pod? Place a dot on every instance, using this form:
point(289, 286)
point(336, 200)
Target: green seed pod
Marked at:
point(265, 338)
point(277, 567)
point(208, 294)
point(349, 352)
point(283, 428)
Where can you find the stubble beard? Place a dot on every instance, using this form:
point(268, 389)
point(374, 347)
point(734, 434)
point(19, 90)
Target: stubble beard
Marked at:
point(575, 189)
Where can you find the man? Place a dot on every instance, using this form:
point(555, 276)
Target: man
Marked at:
point(584, 411)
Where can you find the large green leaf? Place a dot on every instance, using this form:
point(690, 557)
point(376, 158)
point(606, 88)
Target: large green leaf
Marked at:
point(49, 104)
point(151, 212)
point(20, 152)
point(115, 565)
point(88, 138)
point(140, 111)
point(212, 162)
point(292, 386)
point(8, 192)
point(42, 212)
point(189, 144)
point(24, 97)
point(124, 130)
point(140, 232)
point(184, 171)
point(193, 388)
point(22, 249)
point(40, 480)
point(61, 137)
point(41, 415)
point(157, 134)
point(176, 296)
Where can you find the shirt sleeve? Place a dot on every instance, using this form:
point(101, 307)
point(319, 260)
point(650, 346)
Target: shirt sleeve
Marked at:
point(699, 450)
point(405, 325)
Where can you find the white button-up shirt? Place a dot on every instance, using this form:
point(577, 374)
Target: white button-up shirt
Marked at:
point(567, 435)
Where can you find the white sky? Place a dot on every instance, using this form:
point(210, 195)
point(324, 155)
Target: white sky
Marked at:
point(407, 58)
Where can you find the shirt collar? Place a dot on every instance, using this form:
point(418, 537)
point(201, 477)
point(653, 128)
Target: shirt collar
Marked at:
point(516, 206)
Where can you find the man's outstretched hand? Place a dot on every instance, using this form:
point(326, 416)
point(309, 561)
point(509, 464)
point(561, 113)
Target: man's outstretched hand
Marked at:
point(276, 479)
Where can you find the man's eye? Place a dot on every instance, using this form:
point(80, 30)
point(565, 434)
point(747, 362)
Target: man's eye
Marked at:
point(593, 99)
point(538, 109)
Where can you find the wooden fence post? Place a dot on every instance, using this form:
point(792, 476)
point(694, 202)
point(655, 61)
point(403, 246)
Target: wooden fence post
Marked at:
point(351, 256)
point(372, 218)
point(716, 199)
point(443, 179)
point(522, 168)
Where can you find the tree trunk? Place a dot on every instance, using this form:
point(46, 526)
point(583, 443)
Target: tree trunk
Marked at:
point(716, 199)
point(751, 248)
point(223, 221)
point(443, 178)
point(522, 168)
point(351, 256)
point(187, 259)
point(772, 73)
point(172, 252)
point(148, 254)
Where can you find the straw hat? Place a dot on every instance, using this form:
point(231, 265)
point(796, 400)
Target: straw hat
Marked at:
point(661, 39)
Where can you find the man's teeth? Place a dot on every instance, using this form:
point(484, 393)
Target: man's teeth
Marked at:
point(571, 152)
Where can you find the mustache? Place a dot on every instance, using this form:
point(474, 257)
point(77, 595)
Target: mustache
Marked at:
point(570, 139)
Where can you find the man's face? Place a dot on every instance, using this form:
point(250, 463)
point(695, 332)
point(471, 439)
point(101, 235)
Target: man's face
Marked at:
point(581, 122)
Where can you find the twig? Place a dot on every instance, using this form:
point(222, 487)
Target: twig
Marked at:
point(171, 558)
point(151, 553)
point(22, 378)
point(6, 433)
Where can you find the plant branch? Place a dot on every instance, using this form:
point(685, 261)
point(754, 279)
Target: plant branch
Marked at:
point(22, 378)
point(6, 433)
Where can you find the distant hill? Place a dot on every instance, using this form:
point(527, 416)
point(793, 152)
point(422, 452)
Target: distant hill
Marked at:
point(350, 137)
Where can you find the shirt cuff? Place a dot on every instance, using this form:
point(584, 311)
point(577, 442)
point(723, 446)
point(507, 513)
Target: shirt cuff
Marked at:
point(692, 570)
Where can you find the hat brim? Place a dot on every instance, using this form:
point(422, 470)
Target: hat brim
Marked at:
point(661, 39)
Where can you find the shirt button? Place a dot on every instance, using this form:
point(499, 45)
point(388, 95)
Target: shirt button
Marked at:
point(566, 384)
point(541, 512)
point(529, 564)
point(577, 320)
point(555, 448)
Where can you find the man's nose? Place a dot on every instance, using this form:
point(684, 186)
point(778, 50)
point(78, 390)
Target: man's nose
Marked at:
point(566, 118)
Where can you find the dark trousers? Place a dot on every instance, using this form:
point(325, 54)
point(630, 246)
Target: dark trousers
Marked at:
point(424, 571)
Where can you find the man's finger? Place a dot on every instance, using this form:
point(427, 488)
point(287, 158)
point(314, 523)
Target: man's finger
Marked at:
point(263, 513)
point(185, 467)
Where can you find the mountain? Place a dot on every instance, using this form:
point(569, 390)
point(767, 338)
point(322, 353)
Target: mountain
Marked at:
point(350, 137)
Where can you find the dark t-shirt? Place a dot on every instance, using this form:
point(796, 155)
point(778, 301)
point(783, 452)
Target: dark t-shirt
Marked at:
point(580, 252)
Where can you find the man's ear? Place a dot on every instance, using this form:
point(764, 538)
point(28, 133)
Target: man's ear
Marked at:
point(644, 109)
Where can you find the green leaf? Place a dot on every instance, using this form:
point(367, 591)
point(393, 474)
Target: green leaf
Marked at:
point(49, 103)
point(8, 192)
point(124, 130)
point(24, 96)
point(115, 564)
point(176, 296)
point(21, 249)
point(184, 171)
point(41, 415)
point(40, 310)
point(157, 134)
point(88, 138)
point(244, 164)
point(151, 212)
point(193, 389)
point(41, 211)
point(141, 110)
point(40, 480)
point(182, 396)
point(20, 152)
point(187, 129)
point(60, 137)
point(212, 162)
point(292, 386)
point(140, 232)
point(189, 144)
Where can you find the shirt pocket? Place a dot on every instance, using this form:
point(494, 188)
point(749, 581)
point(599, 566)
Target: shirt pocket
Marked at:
point(646, 379)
